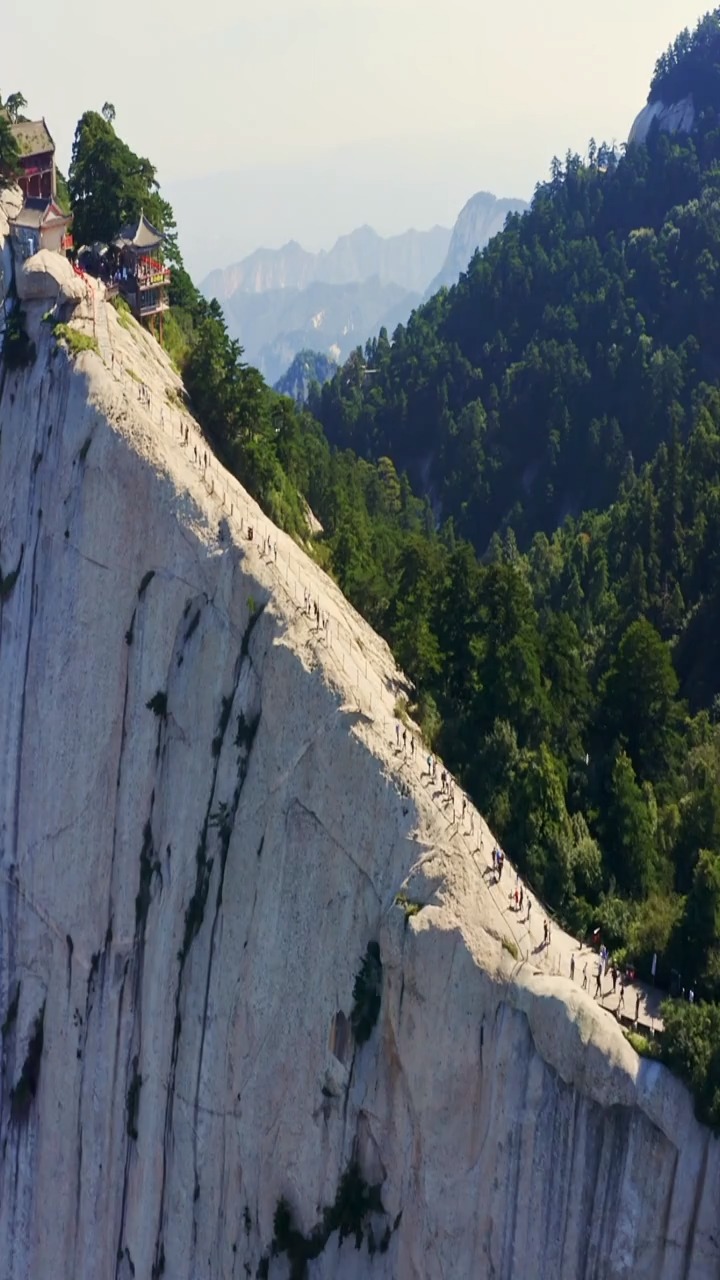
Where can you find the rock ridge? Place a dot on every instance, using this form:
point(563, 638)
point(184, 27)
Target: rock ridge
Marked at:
point(205, 818)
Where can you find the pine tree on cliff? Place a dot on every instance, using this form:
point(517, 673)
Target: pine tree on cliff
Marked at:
point(14, 104)
point(110, 185)
point(9, 154)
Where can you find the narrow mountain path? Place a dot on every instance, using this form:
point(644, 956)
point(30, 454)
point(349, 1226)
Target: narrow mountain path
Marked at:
point(141, 376)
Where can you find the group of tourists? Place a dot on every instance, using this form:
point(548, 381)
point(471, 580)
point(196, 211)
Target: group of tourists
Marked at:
point(200, 455)
point(447, 789)
point(605, 965)
point(310, 606)
point(406, 742)
point(602, 966)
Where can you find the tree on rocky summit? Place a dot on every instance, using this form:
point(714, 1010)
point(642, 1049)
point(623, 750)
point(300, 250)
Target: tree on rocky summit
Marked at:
point(110, 186)
point(9, 154)
point(14, 104)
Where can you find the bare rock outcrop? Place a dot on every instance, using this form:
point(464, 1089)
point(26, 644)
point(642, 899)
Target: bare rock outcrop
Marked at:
point(49, 277)
point(205, 823)
point(673, 117)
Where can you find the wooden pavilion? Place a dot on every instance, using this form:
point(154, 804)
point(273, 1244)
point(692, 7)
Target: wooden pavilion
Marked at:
point(139, 276)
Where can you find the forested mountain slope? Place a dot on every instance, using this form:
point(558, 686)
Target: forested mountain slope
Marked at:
point(478, 221)
point(307, 367)
point(560, 408)
point(276, 324)
point(582, 335)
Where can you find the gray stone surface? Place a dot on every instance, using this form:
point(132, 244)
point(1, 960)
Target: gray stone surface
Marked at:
point(185, 898)
point(673, 117)
point(48, 277)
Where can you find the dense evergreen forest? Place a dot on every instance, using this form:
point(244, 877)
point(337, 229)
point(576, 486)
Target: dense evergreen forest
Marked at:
point(554, 591)
point(579, 337)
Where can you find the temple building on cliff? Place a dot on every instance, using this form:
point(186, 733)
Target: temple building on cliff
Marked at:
point(139, 276)
point(38, 177)
point(40, 223)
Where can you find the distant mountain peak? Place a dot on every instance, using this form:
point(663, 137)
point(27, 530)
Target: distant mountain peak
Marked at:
point(480, 218)
point(279, 302)
point(363, 232)
point(307, 367)
point(408, 260)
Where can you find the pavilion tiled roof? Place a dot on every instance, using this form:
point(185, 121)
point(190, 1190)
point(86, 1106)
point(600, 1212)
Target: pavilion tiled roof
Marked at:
point(32, 137)
point(140, 235)
point(35, 211)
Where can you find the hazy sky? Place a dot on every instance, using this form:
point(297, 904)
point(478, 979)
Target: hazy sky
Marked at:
point(304, 118)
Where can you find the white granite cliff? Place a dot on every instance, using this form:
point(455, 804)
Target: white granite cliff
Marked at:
point(203, 823)
point(671, 117)
point(481, 218)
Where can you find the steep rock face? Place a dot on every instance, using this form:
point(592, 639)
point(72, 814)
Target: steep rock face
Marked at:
point(290, 267)
point(409, 260)
point(478, 221)
point(204, 821)
point(673, 117)
point(49, 277)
